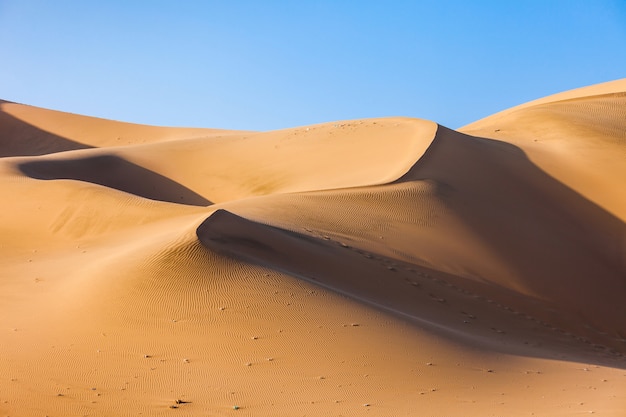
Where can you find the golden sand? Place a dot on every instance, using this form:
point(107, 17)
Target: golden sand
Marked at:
point(381, 267)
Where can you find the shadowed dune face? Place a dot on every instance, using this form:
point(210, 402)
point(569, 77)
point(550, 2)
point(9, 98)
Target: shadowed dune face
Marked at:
point(580, 141)
point(18, 138)
point(413, 292)
point(544, 233)
point(114, 172)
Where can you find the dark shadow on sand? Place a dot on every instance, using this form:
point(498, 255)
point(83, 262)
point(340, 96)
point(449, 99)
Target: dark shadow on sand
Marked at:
point(114, 172)
point(423, 296)
point(18, 138)
point(563, 245)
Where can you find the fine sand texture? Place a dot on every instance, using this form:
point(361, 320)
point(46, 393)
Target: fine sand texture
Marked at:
point(378, 267)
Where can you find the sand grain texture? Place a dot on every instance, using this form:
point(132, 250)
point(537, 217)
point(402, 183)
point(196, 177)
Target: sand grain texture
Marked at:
point(382, 267)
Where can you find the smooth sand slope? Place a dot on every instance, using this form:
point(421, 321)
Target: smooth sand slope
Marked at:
point(383, 267)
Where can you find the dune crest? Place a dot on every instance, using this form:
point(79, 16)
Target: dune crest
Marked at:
point(384, 266)
point(327, 156)
point(29, 130)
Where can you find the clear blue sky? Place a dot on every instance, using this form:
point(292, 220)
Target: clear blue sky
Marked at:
point(264, 65)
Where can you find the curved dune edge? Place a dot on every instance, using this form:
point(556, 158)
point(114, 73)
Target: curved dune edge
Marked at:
point(336, 155)
point(411, 291)
point(609, 87)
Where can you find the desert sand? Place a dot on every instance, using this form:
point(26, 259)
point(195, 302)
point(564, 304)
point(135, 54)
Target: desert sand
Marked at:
point(378, 267)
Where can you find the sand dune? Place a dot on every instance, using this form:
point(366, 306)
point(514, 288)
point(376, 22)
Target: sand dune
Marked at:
point(577, 137)
point(388, 267)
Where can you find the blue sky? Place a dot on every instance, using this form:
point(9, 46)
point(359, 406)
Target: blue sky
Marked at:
point(263, 65)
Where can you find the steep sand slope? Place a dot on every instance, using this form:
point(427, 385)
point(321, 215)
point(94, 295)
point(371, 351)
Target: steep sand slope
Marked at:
point(376, 267)
point(577, 137)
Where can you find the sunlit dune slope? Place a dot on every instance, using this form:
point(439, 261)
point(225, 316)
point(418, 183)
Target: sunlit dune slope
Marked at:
point(382, 267)
point(328, 156)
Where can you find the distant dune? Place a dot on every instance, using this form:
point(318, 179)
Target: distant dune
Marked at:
point(382, 267)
